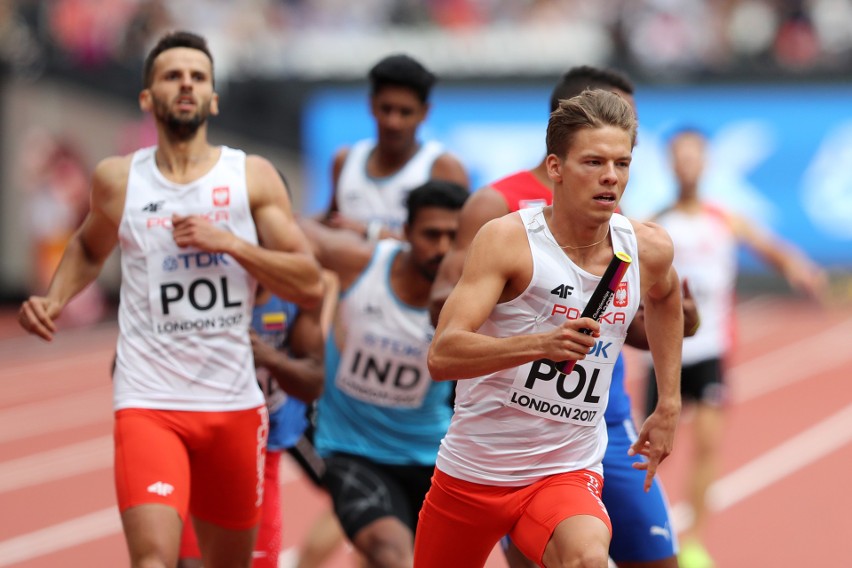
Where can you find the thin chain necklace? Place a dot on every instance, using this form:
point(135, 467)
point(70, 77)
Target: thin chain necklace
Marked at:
point(585, 246)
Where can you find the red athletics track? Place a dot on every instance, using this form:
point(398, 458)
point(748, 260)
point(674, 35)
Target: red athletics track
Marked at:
point(781, 500)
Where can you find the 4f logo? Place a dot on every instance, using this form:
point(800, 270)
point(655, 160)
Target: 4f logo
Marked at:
point(563, 291)
point(154, 206)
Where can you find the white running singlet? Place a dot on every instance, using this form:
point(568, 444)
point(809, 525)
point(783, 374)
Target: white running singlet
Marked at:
point(184, 314)
point(367, 199)
point(705, 254)
point(519, 425)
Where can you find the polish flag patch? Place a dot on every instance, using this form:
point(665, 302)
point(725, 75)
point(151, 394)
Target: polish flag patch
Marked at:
point(221, 196)
point(621, 296)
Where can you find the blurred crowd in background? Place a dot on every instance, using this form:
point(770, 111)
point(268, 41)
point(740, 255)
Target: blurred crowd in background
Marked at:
point(315, 38)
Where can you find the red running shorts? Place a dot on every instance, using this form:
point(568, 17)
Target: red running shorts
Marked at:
point(460, 521)
point(267, 548)
point(160, 454)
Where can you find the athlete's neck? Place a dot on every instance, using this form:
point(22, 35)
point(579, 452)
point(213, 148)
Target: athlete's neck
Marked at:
point(185, 161)
point(688, 202)
point(408, 282)
point(384, 162)
point(581, 237)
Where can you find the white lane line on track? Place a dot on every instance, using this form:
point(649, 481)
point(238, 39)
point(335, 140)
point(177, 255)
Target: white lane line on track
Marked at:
point(55, 414)
point(58, 464)
point(66, 341)
point(59, 366)
point(811, 445)
point(54, 465)
point(778, 368)
point(55, 538)
point(85, 457)
point(79, 458)
point(45, 378)
point(820, 440)
point(781, 367)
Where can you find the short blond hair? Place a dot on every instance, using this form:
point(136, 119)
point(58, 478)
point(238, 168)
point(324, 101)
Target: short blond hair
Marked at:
point(593, 108)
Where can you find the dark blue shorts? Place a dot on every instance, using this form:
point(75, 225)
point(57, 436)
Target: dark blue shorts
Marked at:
point(641, 524)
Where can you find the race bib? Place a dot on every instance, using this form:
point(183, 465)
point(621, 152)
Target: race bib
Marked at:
point(194, 291)
point(382, 380)
point(541, 389)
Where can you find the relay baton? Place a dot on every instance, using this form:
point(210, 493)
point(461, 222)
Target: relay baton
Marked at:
point(601, 297)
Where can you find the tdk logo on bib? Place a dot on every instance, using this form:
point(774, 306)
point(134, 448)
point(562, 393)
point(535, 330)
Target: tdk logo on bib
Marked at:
point(193, 260)
point(599, 349)
point(196, 291)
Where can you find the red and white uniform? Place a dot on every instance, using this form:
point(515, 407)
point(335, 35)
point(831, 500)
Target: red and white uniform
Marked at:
point(184, 313)
point(497, 416)
point(523, 190)
point(705, 254)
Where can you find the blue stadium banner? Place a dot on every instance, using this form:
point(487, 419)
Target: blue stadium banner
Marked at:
point(778, 154)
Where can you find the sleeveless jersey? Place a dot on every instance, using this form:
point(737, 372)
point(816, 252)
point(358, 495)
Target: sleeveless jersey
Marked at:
point(366, 199)
point(518, 425)
point(379, 400)
point(521, 191)
point(273, 322)
point(705, 253)
point(184, 313)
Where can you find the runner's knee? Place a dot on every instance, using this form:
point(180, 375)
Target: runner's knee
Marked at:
point(151, 560)
point(386, 543)
point(590, 555)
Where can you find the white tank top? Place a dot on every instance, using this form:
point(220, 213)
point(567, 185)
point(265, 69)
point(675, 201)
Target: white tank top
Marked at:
point(184, 314)
point(366, 199)
point(705, 253)
point(521, 424)
point(383, 361)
